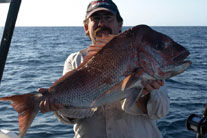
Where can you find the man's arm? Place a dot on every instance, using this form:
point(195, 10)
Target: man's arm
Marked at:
point(148, 88)
point(153, 103)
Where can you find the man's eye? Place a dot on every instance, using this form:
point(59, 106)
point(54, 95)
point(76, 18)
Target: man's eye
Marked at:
point(96, 18)
point(108, 17)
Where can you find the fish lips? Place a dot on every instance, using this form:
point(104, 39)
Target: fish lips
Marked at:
point(175, 69)
point(179, 61)
point(182, 56)
point(179, 65)
point(187, 62)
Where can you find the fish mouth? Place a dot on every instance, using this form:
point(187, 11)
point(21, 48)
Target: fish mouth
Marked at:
point(177, 64)
point(175, 69)
point(183, 62)
point(183, 55)
point(180, 59)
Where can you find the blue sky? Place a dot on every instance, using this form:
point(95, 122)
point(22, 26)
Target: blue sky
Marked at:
point(134, 12)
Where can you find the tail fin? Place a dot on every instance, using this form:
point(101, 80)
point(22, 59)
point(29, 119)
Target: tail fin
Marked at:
point(27, 107)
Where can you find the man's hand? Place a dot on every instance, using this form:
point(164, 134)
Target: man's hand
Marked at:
point(148, 88)
point(151, 85)
point(47, 104)
point(100, 43)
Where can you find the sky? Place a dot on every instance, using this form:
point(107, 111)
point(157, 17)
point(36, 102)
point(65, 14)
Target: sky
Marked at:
point(134, 12)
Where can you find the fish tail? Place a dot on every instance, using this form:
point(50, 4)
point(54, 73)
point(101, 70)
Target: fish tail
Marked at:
point(27, 107)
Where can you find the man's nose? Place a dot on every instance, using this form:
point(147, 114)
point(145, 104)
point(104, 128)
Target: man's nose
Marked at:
point(101, 22)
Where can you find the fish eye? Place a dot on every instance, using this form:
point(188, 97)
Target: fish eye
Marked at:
point(160, 46)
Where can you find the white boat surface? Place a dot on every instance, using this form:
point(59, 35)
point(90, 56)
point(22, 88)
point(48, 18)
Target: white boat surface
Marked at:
point(7, 134)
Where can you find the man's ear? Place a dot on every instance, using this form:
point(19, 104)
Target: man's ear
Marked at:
point(86, 29)
point(120, 26)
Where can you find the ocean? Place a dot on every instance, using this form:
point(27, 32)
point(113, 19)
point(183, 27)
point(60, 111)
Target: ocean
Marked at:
point(36, 60)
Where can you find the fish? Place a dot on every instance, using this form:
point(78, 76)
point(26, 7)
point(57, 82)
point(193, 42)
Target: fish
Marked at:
point(109, 74)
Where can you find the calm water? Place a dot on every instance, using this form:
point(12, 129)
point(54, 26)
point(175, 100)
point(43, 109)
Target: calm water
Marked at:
point(36, 59)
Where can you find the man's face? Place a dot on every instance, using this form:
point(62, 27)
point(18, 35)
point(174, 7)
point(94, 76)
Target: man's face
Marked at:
point(102, 22)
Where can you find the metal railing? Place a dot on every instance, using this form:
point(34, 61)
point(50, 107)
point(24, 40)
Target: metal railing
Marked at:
point(8, 32)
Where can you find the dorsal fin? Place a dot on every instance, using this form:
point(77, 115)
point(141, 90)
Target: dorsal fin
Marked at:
point(94, 49)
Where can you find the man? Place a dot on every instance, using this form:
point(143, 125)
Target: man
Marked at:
point(114, 120)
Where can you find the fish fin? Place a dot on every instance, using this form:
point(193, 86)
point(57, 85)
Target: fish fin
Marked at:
point(120, 91)
point(116, 92)
point(27, 108)
point(132, 97)
point(94, 49)
point(133, 80)
point(125, 82)
point(108, 96)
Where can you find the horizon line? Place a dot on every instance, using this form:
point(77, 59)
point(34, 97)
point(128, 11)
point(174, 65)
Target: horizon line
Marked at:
point(123, 26)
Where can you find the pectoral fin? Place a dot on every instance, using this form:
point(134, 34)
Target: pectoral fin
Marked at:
point(110, 96)
point(118, 92)
point(122, 90)
point(133, 95)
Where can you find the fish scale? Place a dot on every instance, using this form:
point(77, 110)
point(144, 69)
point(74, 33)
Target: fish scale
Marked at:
point(93, 89)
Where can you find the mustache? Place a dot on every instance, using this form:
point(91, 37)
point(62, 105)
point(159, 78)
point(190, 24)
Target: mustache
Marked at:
point(103, 29)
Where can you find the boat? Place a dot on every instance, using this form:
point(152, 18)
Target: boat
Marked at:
point(4, 47)
point(7, 134)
